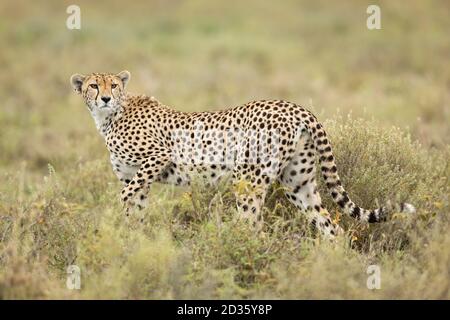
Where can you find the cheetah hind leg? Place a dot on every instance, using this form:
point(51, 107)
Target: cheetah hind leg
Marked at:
point(298, 179)
point(250, 206)
point(250, 199)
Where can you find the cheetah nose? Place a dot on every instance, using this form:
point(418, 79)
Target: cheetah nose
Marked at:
point(106, 99)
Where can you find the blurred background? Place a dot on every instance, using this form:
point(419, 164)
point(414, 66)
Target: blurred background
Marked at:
point(383, 95)
point(198, 55)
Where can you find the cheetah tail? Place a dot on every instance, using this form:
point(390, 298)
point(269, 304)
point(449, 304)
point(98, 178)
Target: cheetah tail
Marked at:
point(338, 193)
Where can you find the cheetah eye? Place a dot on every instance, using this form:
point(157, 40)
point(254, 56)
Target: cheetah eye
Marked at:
point(93, 86)
point(114, 85)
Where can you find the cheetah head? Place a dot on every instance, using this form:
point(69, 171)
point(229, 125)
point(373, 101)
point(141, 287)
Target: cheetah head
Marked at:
point(102, 92)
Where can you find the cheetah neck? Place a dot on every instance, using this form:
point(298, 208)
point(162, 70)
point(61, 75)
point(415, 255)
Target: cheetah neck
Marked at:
point(103, 119)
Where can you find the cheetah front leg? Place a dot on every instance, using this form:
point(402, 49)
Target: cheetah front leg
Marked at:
point(135, 193)
point(123, 171)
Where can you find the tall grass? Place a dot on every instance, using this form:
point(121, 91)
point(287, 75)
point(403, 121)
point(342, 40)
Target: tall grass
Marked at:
point(59, 198)
point(192, 245)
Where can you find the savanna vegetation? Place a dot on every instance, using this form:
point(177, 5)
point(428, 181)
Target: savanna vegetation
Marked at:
point(383, 95)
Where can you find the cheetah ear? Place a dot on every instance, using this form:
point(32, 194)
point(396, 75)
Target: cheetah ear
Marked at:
point(76, 80)
point(124, 76)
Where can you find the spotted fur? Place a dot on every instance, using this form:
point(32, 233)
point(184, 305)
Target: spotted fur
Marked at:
point(258, 143)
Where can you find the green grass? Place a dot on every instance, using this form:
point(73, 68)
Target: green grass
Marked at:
point(59, 198)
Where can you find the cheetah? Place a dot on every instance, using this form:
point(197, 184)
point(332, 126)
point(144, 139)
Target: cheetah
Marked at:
point(258, 143)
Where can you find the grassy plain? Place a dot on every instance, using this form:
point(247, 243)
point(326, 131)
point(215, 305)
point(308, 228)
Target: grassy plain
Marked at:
point(383, 95)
